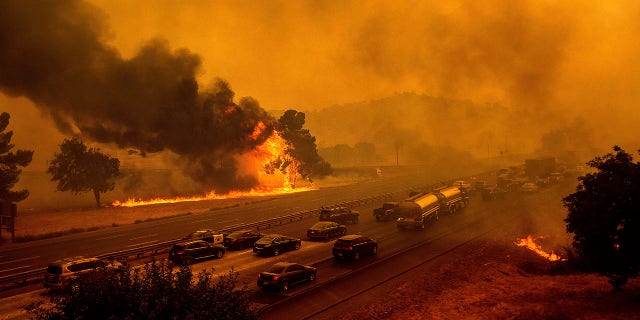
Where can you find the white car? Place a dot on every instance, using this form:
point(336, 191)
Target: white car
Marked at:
point(529, 187)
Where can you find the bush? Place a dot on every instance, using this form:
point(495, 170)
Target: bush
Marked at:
point(156, 291)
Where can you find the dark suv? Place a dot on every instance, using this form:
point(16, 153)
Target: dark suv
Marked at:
point(241, 239)
point(188, 252)
point(354, 246)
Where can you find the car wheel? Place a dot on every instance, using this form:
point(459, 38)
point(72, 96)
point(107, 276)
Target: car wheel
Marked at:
point(354, 220)
point(374, 250)
point(326, 236)
point(297, 246)
point(276, 251)
point(188, 260)
point(219, 254)
point(285, 286)
point(356, 256)
point(312, 276)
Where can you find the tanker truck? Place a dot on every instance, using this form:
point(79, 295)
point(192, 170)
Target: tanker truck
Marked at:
point(451, 199)
point(416, 211)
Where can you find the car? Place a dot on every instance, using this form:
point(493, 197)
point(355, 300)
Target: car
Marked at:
point(60, 272)
point(529, 187)
point(273, 244)
point(354, 246)
point(241, 239)
point(284, 274)
point(188, 252)
point(207, 235)
point(326, 230)
point(339, 215)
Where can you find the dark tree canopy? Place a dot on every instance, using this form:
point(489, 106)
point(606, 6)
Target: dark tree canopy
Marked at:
point(81, 169)
point(157, 291)
point(9, 163)
point(604, 216)
point(301, 155)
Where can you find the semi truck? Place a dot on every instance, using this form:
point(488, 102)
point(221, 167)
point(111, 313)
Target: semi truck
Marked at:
point(415, 212)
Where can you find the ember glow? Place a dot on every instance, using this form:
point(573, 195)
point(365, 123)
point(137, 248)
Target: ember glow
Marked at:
point(530, 243)
point(212, 196)
point(272, 148)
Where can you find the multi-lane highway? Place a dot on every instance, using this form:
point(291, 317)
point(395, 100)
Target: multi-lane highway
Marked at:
point(245, 262)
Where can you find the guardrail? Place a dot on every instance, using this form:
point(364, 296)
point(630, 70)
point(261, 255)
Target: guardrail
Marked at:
point(34, 276)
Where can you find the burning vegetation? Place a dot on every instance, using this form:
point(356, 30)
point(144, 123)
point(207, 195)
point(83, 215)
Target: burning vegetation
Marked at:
point(530, 243)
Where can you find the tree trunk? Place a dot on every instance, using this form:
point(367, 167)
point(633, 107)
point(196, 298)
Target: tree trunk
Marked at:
point(96, 194)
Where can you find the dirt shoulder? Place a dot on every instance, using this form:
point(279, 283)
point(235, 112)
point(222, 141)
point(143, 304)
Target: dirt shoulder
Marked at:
point(494, 279)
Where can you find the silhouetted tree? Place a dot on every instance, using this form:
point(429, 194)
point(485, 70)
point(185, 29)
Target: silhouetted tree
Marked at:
point(301, 155)
point(80, 169)
point(604, 216)
point(9, 163)
point(154, 292)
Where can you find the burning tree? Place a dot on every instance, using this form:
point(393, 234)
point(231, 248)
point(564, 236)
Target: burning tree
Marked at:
point(9, 163)
point(300, 156)
point(80, 169)
point(604, 217)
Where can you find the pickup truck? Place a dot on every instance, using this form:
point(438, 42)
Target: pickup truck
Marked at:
point(385, 213)
point(207, 235)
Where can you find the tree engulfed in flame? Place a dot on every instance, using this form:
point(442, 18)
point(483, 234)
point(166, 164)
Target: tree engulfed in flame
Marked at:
point(272, 148)
point(530, 243)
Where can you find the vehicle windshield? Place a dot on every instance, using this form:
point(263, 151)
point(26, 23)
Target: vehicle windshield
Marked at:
point(54, 269)
point(266, 240)
point(195, 235)
point(276, 269)
point(320, 226)
point(342, 243)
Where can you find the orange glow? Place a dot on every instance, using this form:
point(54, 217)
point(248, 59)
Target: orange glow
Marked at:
point(211, 196)
point(257, 131)
point(530, 243)
point(271, 149)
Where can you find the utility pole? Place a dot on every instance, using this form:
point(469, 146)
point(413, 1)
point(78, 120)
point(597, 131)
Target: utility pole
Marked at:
point(397, 162)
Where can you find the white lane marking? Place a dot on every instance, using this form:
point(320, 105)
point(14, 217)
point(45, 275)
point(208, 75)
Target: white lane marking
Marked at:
point(5, 270)
point(23, 259)
point(147, 236)
point(120, 235)
point(143, 243)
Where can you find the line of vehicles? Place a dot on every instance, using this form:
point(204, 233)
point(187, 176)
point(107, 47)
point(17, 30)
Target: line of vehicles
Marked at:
point(210, 244)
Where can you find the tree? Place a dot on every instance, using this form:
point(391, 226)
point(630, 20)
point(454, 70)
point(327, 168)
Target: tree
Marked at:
point(604, 216)
point(80, 169)
point(301, 155)
point(155, 292)
point(9, 163)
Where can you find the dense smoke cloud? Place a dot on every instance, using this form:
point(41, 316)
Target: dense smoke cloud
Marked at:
point(54, 53)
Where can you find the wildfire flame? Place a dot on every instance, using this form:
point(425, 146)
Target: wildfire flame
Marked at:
point(211, 196)
point(530, 243)
point(272, 148)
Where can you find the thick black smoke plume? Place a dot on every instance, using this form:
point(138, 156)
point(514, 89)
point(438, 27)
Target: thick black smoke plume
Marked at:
point(54, 52)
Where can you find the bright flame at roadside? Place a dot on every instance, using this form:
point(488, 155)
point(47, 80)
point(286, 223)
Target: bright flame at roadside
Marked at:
point(272, 148)
point(530, 243)
point(211, 196)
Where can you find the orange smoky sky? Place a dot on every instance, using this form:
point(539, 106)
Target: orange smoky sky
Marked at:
point(311, 54)
point(555, 59)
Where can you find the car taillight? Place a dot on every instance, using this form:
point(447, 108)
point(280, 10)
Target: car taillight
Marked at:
point(180, 252)
point(350, 248)
point(267, 245)
point(275, 277)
